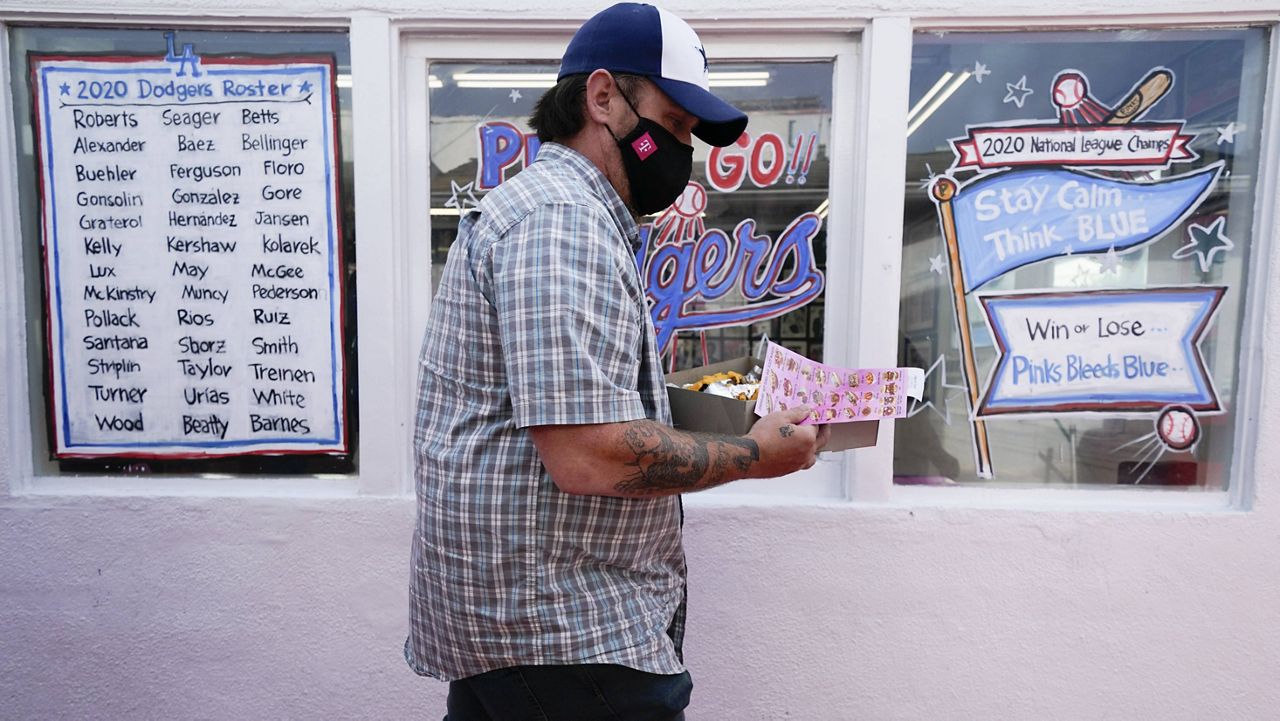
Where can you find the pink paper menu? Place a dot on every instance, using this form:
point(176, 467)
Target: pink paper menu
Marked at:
point(836, 395)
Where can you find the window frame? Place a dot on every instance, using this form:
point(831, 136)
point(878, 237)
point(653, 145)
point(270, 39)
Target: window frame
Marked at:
point(829, 479)
point(871, 85)
point(377, 467)
point(1246, 406)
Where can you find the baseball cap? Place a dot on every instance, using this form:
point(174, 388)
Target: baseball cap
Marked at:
point(641, 39)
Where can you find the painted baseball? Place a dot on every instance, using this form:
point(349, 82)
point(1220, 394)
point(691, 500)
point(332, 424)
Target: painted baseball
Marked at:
point(1069, 90)
point(1177, 427)
point(692, 201)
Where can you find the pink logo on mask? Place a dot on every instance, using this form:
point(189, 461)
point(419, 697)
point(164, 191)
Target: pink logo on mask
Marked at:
point(644, 146)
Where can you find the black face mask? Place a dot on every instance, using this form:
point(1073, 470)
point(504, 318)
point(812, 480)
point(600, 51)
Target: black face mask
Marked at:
point(657, 164)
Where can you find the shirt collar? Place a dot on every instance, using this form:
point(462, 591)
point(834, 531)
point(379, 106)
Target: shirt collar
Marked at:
point(599, 184)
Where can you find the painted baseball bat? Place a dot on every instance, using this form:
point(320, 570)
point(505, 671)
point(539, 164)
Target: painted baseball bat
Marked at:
point(1141, 98)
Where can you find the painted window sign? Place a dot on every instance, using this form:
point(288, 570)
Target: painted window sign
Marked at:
point(1088, 225)
point(192, 253)
point(1100, 350)
point(740, 254)
point(1010, 219)
point(1087, 132)
point(503, 149)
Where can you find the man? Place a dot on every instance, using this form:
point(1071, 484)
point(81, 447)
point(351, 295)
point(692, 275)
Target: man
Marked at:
point(547, 567)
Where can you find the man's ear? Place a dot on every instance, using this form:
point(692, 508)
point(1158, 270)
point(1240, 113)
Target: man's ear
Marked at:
point(601, 97)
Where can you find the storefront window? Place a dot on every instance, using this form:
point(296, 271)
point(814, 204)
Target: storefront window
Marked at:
point(753, 216)
point(1086, 200)
point(188, 249)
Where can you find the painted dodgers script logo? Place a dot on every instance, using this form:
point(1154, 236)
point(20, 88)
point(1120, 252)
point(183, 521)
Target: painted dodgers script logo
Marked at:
point(679, 276)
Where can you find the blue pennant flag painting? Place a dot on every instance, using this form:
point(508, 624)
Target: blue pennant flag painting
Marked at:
point(1011, 219)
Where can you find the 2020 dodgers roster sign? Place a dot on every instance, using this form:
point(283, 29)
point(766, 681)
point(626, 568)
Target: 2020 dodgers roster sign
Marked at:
point(193, 270)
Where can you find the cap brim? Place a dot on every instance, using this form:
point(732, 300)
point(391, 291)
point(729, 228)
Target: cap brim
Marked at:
point(719, 123)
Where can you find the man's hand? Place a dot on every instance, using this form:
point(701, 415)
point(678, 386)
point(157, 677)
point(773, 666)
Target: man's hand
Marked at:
point(786, 446)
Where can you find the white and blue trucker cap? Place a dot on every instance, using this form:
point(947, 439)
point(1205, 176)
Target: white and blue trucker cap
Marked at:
point(645, 40)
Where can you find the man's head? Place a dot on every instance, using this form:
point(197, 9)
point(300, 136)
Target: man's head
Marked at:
point(649, 42)
point(635, 77)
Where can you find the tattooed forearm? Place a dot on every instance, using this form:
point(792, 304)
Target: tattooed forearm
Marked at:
point(665, 459)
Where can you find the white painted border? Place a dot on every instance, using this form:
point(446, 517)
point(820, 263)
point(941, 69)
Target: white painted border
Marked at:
point(876, 215)
point(385, 460)
point(13, 361)
point(392, 263)
point(1241, 483)
point(1097, 498)
point(413, 140)
point(828, 480)
point(1157, 19)
point(1034, 500)
point(104, 16)
point(378, 473)
point(545, 42)
point(1242, 486)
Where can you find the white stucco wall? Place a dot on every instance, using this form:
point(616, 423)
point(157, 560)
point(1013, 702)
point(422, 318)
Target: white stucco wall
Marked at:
point(160, 608)
point(157, 606)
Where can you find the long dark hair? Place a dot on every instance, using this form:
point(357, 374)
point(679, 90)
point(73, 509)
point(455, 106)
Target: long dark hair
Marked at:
point(558, 114)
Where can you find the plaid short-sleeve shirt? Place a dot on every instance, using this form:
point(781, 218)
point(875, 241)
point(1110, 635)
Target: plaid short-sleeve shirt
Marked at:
point(540, 319)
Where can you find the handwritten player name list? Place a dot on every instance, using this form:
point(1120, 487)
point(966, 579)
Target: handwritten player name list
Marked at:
point(193, 269)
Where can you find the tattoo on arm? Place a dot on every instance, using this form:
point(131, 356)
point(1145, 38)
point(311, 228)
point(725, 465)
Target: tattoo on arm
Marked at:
point(665, 459)
point(786, 431)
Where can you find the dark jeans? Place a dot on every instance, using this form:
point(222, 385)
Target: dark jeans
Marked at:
point(595, 692)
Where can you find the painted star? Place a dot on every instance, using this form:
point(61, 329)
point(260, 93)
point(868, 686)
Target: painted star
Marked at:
point(1018, 92)
point(514, 95)
point(1082, 277)
point(1068, 250)
point(305, 87)
point(1227, 134)
point(980, 71)
point(65, 89)
point(937, 264)
point(938, 370)
point(459, 201)
point(1205, 243)
point(1111, 261)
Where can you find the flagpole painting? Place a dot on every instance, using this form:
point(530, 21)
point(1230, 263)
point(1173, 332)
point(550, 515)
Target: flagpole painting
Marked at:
point(943, 191)
point(1064, 187)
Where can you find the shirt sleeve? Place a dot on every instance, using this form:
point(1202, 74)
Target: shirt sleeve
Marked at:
point(569, 324)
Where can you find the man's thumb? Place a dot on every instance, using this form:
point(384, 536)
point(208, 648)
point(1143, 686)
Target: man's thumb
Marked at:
point(797, 414)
